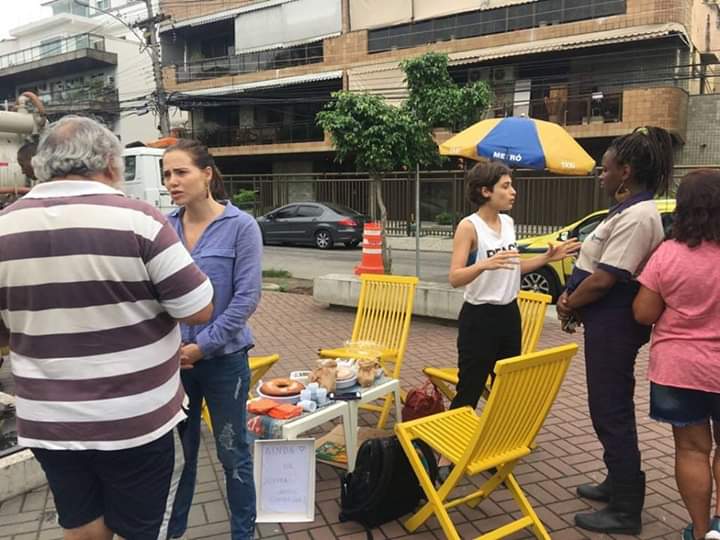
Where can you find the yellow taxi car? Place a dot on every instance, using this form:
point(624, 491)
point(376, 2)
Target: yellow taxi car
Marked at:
point(550, 279)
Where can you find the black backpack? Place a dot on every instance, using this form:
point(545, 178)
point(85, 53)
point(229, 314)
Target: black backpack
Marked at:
point(383, 485)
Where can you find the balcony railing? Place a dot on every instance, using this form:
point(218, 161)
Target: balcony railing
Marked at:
point(268, 134)
point(69, 96)
point(252, 62)
point(52, 48)
point(580, 110)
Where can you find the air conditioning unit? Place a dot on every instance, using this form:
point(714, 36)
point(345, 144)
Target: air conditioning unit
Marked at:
point(503, 74)
point(494, 75)
point(479, 74)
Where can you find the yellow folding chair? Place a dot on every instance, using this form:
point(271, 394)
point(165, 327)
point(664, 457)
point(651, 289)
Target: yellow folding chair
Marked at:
point(259, 365)
point(532, 313)
point(525, 388)
point(383, 318)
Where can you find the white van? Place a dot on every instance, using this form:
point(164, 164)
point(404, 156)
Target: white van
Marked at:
point(143, 177)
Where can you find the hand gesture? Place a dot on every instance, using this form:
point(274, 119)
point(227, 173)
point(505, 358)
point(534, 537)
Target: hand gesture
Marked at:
point(189, 354)
point(562, 308)
point(501, 260)
point(557, 252)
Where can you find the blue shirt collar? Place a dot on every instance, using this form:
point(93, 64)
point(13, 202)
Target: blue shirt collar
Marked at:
point(230, 211)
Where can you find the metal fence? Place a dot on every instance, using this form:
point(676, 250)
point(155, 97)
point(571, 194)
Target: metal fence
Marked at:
point(544, 203)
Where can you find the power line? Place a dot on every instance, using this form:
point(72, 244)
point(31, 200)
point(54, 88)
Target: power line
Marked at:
point(150, 26)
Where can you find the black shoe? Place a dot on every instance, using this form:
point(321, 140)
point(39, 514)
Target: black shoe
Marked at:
point(623, 514)
point(595, 492)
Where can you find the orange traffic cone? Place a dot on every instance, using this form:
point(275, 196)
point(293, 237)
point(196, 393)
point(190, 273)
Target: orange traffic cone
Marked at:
point(372, 260)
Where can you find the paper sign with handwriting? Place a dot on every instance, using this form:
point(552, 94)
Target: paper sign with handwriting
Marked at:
point(285, 480)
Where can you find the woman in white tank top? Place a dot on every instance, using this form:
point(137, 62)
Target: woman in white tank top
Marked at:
point(485, 260)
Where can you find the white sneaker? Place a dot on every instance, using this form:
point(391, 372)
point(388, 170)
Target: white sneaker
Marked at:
point(714, 532)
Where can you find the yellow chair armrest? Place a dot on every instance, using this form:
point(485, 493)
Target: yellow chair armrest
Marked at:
point(448, 375)
point(255, 362)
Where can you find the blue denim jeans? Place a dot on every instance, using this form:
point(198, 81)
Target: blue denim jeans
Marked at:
point(223, 382)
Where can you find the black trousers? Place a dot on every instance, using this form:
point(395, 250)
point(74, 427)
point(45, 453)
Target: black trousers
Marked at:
point(612, 341)
point(486, 333)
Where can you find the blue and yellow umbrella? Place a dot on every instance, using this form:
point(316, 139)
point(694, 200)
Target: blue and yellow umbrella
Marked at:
point(523, 143)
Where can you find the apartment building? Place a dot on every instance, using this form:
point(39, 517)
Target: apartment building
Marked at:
point(84, 59)
point(252, 74)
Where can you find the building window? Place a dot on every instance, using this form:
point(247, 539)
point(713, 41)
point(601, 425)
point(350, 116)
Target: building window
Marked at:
point(69, 6)
point(130, 165)
point(217, 46)
point(490, 21)
point(103, 4)
point(251, 62)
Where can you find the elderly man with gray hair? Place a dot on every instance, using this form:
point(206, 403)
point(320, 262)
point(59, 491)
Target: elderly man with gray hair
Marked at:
point(93, 285)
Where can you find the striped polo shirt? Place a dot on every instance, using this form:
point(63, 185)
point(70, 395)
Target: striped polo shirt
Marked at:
point(91, 283)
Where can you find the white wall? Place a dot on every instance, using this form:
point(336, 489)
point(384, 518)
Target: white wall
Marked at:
point(134, 78)
point(56, 27)
point(133, 74)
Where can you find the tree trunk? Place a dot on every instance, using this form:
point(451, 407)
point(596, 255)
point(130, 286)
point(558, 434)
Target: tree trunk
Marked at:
point(387, 255)
point(377, 183)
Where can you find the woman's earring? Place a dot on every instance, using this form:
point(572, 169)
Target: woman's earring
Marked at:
point(207, 191)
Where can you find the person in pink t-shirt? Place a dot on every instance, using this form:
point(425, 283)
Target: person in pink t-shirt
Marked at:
point(680, 294)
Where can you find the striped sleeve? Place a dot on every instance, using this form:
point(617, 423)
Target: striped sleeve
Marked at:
point(182, 288)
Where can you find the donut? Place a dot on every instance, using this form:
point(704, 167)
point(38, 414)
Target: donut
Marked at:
point(282, 387)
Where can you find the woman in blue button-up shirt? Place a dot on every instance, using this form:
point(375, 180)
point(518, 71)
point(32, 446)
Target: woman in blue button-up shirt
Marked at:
point(227, 245)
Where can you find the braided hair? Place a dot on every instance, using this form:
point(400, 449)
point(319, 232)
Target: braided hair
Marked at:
point(649, 153)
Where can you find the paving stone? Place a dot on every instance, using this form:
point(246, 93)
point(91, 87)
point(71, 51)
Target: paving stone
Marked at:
point(22, 517)
point(567, 453)
point(11, 506)
point(19, 528)
point(34, 500)
point(209, 530)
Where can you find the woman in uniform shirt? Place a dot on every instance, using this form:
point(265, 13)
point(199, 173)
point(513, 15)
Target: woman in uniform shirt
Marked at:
point(600, 292)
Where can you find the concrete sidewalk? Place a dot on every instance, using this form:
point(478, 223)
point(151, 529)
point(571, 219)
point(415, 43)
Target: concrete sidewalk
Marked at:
point(568, 453)
point(427, 243)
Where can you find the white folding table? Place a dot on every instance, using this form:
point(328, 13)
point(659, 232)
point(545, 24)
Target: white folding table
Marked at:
point(379, 390)
point(338, 409)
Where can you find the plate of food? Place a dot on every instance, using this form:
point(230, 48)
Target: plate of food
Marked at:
point(281, 390)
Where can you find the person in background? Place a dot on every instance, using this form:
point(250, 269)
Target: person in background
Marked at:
point(485, 260)
point(680, 295)
point(24, 158)
point(226, 243)
point(93, 286)
point(600, 293)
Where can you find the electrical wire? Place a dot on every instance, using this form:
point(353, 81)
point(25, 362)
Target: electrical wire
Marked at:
point(298, 97)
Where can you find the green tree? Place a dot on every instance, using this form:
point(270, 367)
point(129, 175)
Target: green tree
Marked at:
point(382, 138)
point(436, 100)
point(378, 136)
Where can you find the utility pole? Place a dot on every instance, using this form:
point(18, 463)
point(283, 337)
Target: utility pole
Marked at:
point(149, 27)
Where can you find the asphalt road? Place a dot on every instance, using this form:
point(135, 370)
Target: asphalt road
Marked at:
point(310, 262)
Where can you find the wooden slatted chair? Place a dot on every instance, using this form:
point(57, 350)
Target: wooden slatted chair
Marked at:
point(382, 318)
point(525, 388)
point(532, 312)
